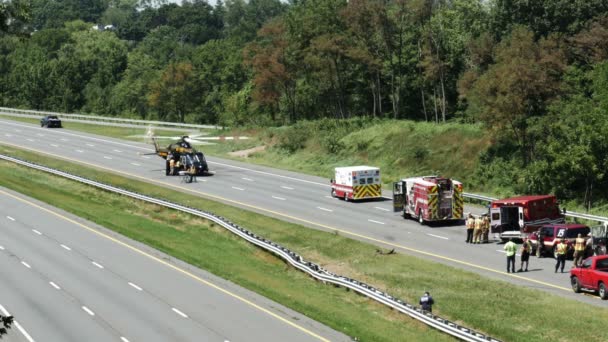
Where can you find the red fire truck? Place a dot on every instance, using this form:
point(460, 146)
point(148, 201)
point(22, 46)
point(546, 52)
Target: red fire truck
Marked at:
point(517, 217)
point(428, 198)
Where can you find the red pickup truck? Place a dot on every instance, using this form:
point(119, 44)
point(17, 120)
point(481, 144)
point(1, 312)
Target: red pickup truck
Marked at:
point(592, 275)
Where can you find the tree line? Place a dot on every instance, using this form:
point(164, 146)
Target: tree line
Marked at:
point(534, 72)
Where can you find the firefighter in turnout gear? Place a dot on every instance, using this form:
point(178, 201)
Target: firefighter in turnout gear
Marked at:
point(579, 250)
point(562, 248)
point(470, 228)
point(485, 228)
point(477, 232)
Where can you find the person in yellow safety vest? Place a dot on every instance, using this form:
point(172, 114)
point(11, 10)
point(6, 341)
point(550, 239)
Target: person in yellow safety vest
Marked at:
point(477, 232)
point(470, 228)
point(561, 255)
point(511, 249)
point(485, 228)
point(579, 250)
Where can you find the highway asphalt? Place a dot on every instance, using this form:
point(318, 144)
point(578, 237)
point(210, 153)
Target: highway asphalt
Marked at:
point(297, 198)
point(66, 279)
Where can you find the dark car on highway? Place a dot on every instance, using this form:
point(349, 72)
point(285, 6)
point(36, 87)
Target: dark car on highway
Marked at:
point(50, 121)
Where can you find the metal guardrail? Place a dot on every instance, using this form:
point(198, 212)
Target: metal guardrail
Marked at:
point(294, 259)
point(85, 118)
point(568, 213)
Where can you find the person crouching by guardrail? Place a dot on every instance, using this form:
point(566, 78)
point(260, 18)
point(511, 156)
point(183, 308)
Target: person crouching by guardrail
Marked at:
point(426, 302)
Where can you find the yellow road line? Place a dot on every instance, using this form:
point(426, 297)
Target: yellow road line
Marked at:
point(347, 232)
point(191, 275)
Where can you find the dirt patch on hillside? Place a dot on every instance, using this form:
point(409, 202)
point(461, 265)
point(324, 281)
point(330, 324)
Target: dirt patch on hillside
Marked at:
point(247, 152)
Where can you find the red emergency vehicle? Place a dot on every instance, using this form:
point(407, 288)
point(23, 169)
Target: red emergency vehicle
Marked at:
point(356, 183)
point(517, 217)
point(429, 198)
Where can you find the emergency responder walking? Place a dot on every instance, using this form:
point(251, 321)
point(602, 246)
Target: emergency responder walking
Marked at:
point(511, 249)
point(579, 250)
point(426, 301)
point(485, 228)
point(561, 255)
point(526, 247)
point(470, 228)
point(477, 232)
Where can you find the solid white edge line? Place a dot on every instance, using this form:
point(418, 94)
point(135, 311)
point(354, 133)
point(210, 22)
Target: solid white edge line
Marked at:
point(135, 286)
point(37, 232)
point(27, 336)
point(179, 313)
point(279, 198)
point(438, 236)
point(87, 310)
point(325, 209)
point(374, 221)
point(96, 264)
point(10, 218)
point(66, 247)
point(26, 264)
point(235, 188)
point(55, 285)
point(382, 209)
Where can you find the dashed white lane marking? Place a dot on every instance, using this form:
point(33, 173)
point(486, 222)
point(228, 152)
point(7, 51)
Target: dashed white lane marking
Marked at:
point(135, 286)
point(328, 197)
point(279, 198)
point(179, 313)
point(374, 221)
point(90, 145)
point(107, 157)
point(66, 247)
point(325, 209)
point(26, 264)
point(30, 139)
point(87, 310)
point(40, 135)
point(124, 339)
point(384, 209)
point(37, 232)
point(135, 164)
point(54, 145)
point(96, 264)
point(438, 236)
point(55, 285)
point(80, 151)
point(64, 139)
point(119, 151)
point(2, 247)
point(247, 179)
point(286, 187)
point(10, 218)
point(17, 130)
point(8, 135)
point(240, 189)
point(145, 157)
point(25, 334)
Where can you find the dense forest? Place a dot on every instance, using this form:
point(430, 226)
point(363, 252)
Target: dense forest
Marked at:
point(534, 73)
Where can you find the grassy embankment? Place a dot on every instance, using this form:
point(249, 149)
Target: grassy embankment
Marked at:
point(503, 310)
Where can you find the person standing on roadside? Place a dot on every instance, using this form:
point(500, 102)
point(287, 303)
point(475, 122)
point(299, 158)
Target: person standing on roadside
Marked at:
point(589, 246)
point(511, 249)
point(540, 243)
point(561, 255)
point(485, 228)
point(579, 250)
point(477, 232)
point(526, 247)
point(426, 301)
point(470, 228)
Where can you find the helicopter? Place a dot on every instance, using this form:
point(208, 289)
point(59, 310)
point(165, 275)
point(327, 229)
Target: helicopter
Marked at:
point(184, 157)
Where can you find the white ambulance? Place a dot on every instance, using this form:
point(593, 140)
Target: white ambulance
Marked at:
point(356, 182)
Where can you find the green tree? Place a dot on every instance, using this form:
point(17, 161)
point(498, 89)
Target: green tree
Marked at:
point(173, 95)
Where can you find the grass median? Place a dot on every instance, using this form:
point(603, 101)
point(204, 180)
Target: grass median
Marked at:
point(498, 308)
